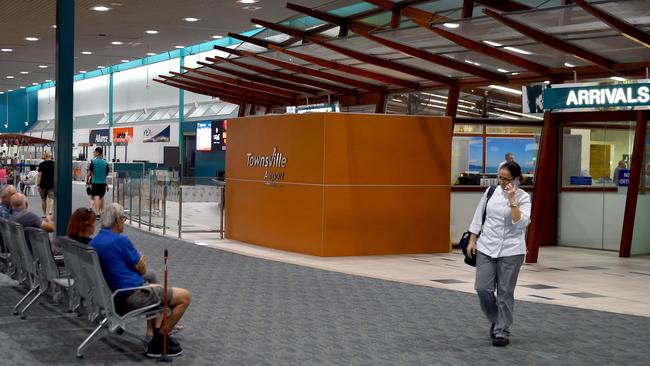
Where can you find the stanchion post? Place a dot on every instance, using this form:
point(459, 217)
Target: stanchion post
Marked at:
point(180, 211)
point(130, 200)
point(164, 208)
point(223, 193)
point(140, 198)
point(151, 187)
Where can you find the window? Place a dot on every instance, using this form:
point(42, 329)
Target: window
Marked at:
point(478, 150)
point(594, 156)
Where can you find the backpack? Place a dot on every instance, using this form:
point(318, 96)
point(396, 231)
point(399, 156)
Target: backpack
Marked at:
point(463, 243)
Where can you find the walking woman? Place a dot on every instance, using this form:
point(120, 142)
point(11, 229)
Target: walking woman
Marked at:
point(500, 249)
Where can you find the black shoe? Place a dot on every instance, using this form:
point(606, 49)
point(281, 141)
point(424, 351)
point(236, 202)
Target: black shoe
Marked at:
point(500, 342)
point(492, 331)
point(155, 347)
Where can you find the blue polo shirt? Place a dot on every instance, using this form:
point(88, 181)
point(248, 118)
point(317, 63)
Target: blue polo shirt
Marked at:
point(118, 258)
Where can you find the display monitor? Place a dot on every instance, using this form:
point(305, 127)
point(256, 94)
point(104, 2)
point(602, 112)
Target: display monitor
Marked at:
point(204, 136)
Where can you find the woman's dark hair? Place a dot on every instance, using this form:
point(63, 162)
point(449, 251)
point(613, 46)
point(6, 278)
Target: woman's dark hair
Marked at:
point(513, 168)
point(81, 218)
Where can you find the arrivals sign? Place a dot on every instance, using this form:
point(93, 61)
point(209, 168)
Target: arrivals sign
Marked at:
point(597, 96)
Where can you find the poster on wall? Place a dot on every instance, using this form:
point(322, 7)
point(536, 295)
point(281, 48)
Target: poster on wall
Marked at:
point(99, 137)
point(123, 135)
point(204, 136)
point(157, 134)
point(219, 134)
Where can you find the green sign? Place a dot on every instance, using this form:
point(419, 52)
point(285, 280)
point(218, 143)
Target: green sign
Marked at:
point(597, 96)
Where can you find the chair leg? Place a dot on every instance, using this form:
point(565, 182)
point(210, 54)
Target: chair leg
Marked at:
point(22, 312)
point(96, 335)
point(29, 293)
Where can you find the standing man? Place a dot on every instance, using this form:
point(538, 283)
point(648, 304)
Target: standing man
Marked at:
point(510, 157)
point(97, 172)
point(45, 182)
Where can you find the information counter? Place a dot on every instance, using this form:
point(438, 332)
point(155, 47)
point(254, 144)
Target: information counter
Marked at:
point(338, 184)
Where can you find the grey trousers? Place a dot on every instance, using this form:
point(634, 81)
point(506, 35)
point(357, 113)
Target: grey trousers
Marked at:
point(498, 274)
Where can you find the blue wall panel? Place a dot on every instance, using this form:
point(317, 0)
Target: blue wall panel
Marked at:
point(18, 102)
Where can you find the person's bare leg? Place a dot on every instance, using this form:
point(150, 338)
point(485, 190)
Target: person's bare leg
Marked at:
point(181, 299)
point(44, 206)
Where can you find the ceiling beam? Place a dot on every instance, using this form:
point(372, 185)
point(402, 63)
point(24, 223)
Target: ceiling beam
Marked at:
point(243, 83)
point(305, 70)
point(253, 98)
point(284, 76)
point(364, 31)
point(551, 41)
point(408, 11)
point(387, 79)
point(358, 55)
point(472, 44)
point(263, 80)
point(626, 29)
point(234, 88)
point(286, 30)
point(504, 5)
point(222, 96)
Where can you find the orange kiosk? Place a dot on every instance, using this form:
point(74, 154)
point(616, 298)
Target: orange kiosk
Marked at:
point(339, 184)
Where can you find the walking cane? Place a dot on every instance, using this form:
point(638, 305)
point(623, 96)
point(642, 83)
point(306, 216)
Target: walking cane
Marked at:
point(164, 357)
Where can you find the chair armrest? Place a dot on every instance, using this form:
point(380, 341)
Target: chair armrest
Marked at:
point(139, 310)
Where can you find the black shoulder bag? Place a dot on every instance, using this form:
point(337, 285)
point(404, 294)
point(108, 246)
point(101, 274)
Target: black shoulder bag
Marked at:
point(463, 243)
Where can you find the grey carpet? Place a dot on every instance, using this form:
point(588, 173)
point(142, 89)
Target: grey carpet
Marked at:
point(249, 311)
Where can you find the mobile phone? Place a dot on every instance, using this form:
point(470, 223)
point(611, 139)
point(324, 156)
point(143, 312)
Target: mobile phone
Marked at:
point(515, 183)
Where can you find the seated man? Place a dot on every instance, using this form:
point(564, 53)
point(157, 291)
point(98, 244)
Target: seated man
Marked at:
point(23, 216)
point(5, 201)
point(124, 267)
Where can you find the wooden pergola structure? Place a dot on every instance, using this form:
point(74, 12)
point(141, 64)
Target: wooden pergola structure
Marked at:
point(476, 47)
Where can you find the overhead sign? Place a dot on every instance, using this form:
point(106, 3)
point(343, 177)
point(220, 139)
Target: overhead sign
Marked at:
point(312, 108)
point(99, 137)
point(204, 136)
point(574, 96)
point(123, 135)
point(156, 134)
point(219, 134)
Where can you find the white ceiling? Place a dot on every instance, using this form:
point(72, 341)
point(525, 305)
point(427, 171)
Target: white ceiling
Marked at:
point(126, 22)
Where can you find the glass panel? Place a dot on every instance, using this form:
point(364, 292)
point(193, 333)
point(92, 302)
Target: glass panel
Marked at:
point(514, 130)
point(524, 150)
point(641, 236)
point(466, 160)
point(478, 129)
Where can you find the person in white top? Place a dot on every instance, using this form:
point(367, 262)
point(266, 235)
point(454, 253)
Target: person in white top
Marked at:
point(510, 157)
point(500, 249)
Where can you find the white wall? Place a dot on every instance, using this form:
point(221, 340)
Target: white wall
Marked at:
point(591, 219)
point(463, 206)
point(90, 97)
point(641, 238)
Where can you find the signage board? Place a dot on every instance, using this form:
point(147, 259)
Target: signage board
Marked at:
point(580, 181)
point(123, 135)
point(594, 96)
point(100, 137)
point(204, 136)
point(623, 177)
point(312, 108)
point(156, 134)
point(219, 134)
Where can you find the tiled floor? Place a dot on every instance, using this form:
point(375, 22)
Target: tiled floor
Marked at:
point(581, 278)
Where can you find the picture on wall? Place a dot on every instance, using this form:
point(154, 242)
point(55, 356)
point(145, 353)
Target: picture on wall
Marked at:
point(157, 134)
point(123, 134)
point(204, 136)
point(99, 137)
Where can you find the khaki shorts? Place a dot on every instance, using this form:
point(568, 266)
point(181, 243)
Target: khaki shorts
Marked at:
point(46, 193)
point(141, 298)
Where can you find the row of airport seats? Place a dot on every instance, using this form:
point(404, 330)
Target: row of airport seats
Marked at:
point(26, 256)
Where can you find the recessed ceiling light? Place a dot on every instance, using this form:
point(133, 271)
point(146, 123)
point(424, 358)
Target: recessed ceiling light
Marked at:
point(258, 26)
point(507, 90)
point(86, 53)
point(547, 81)
point(618, 78)
point(117, 43)
point(53, 26)
point(10, 90)
point(9, 77)
point(247, 1)
point(34, 84)
point(217, 37)
point(451, 25)
point(24, 72)
point(569, 65)
point(151, 31)
point(191, 19)
point(179, 47)
point(22, 87)
point(48, 81)
point(125, 60)
point(492, 43)
point(151, 54)
point(518, 50)
point(83, 71)
point(502, 70)
point(42, 66)
point(2, 93)
point(31, 39)
point(7, 50)
point(100, 8)
point(100, 67)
